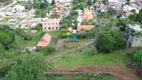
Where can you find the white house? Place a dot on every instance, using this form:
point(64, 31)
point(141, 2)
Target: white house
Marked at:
point(135, 40)
point(2, 14)
point(19, 8)
point(61, 1)
point(116, 3)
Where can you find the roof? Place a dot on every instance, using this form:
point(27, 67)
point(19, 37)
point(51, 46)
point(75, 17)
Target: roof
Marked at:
point(45, 40)
point(84, 27)
point(51, 23)
point(33, 31)
point(58, 5)
point(28, 23)
point(70, 29)
point(88, 11)
point(87, 17)
point(136, 27)
point(113, 1)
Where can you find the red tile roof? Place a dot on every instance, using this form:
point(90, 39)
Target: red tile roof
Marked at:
point(45, 41)
point(84, 27)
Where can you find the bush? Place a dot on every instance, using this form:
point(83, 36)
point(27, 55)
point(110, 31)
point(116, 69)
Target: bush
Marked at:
point(9, 54)
point(4, 67)
point(109, 41)
point(48, 50)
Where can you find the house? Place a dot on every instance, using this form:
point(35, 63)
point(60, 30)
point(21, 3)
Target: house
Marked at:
point(34, 31)
point(51, 24)
point(58, 9)
point(45, 41)
point(2, 14)
point(70, 29)
point(135, 40)
point(87, 17)
point(84, 27)
point(61, 1)
point(89, 12)
point(27, 24)
point(19, 8)
point(116, 3)
point(30, 48)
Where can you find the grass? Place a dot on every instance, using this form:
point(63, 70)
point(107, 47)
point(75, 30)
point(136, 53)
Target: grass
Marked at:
point(4, 19)
point(85, 58)
point(3, 78)
point(83, 77)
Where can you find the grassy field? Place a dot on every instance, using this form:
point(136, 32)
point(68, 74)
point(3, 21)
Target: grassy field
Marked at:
point(83, 77)
point(85, 58)
point(4, 19)
point(3, 78)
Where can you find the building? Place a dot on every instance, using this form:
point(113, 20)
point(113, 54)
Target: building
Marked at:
point(116, 3)
point(27, 24)
point(61, 1)
point(51, 24)
point(135, 40)
point(84, 27)
point(45, 41)
point(87, 17)
point(19, 8)
point(88, 12)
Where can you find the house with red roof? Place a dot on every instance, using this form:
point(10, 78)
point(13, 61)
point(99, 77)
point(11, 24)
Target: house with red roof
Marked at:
point(44, 41)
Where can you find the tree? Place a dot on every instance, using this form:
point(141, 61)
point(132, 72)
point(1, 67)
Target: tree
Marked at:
point(28, 67)
point(5, 39)
point(105, 2)
point(133, 17)
point(109, 41)
point(28, 5)
point(94, 1)
point(89, 2)
point(1, 51)
point(53, 2)
point(17, 43)
point(4, 67)
point(139, 17)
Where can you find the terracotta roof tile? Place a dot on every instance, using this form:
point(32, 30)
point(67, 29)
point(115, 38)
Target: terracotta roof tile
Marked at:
point(84, 27)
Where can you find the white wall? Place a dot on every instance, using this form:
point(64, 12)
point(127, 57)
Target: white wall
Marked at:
point(136, 41)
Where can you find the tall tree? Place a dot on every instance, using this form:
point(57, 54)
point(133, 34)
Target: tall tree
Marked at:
point(29, 67)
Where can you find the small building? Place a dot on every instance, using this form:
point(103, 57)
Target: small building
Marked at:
point(84, 27)
point(34, 31)
point(19, 8)
point(30, 48)
point(70, 29)
point(44, 41)
point(51, 24)
point(89, 12)
point(135, 39)
point(87, 17)
point(27, 24)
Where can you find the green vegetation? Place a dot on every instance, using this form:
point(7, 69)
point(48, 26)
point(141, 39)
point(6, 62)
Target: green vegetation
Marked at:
point(109, 41)
point(4, 19)
point(83, 77)
point(28, 66)
point(86, 58)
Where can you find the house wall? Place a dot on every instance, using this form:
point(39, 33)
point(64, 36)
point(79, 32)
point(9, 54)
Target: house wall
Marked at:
point(135, 41)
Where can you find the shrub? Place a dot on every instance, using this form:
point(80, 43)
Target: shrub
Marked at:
point(109, 41)
point(4, 67)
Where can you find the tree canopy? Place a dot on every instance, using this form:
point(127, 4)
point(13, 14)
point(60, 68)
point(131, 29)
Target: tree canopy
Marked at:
point(28, 67)
point(109, 41)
